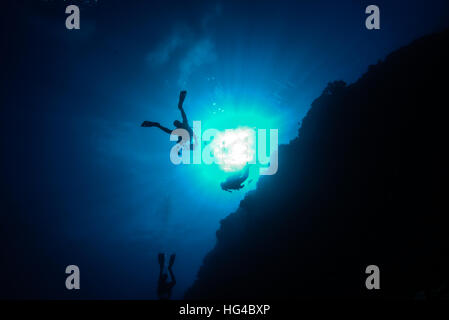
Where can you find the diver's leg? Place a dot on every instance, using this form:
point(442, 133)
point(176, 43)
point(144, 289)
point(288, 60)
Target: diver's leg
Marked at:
point(164, 129)
point(155, 124)
point(172, 276)
point(172, 260)
point(161, 258)
point(182, 96)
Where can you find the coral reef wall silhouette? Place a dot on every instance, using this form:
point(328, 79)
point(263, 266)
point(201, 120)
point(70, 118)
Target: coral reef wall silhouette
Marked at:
point(365, 182)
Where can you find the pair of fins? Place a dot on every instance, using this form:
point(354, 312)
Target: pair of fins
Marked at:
point(161, 258)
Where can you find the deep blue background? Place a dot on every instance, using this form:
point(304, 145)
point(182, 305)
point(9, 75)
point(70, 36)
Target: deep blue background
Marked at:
point(83, 184)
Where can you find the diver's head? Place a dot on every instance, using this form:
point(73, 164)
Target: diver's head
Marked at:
point(177, 124)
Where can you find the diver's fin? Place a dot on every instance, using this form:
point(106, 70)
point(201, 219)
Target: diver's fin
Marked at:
point(149, 124)
point(182, 96)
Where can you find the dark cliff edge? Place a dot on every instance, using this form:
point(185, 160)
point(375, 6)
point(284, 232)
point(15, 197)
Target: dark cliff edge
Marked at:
point(365, 182)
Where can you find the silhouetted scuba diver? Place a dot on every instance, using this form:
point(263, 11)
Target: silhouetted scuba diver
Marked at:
point(178, 124)
point(235, 182)
point(164, 287)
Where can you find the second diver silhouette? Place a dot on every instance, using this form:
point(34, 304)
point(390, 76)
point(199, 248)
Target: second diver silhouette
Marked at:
point(164, 287)
point(178, 124)
point(235, 182)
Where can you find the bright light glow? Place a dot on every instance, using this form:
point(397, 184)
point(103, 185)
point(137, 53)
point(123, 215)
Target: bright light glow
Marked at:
point(234, 148)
